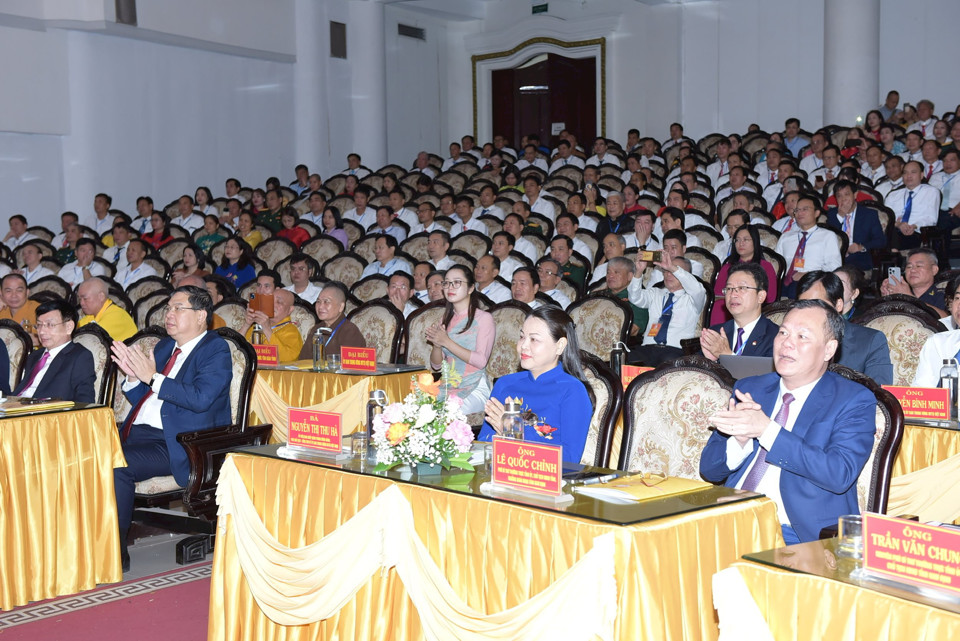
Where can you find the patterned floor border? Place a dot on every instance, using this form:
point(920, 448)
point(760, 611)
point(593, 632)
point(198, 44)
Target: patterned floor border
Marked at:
point(99, 596)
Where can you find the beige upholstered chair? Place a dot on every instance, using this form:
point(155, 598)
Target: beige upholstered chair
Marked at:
point(462, 258)
point(907, 327)
point(601, 321)
point(707, 260)
point(146, 286)
point(144, 340)
point(417, 350)
point(607, 399)
point(768, 236)
point(707, 236)
point(145, 304)
point(492, 223)
point(42, 233)
point(322, 248)
point(97, 342)
point(232, 311)
point(508, 316)
point(159, 265)
point(19, 345)
point(304, 318)
point(354, 231)
point(345, 268)
point(776, 310)
point(665, 416)
point(335, 185)
point(273, 250)
point(371, 287)
point(157, 315)
point(381, 325)
point(537, 242)
point(173, 251)
point(473, 243)
point(568, 289)
point(364, 247)
point(52, 284)
point(416, 246)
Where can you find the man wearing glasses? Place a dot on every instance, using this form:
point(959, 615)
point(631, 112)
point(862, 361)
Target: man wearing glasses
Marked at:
point(182, 385)
point(62, 369)
point(550, 273)
point(747, 333)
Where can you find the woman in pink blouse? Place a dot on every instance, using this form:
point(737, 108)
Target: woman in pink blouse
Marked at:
point(464, 339)
point(746, 249)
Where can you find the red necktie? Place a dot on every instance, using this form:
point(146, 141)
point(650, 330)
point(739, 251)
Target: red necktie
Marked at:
point(133, 413)
point(797, 256)
point(760, 465)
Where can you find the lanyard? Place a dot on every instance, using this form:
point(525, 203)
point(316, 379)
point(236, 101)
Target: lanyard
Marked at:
point(335, 331)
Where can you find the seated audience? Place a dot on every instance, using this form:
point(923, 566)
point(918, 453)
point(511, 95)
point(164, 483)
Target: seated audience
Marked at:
point(387, 224)
point(302, 269)
point(219, 288)
point(278, 329)
point(940, 346)
point(211, 231)
point(916, 205)
point(860, 224)
point(747, 333)
point(561, 250)
point(854, 284)
point(62, 369)
point(330, 307)
point(84, 267)
point(17, 306)
point(117, 255)
point(160, 232)
point(551, 386)
point(806, 247)
point(485, 273)
point(438, 243)
point(550, 273)
point(193, 261)
point(247, 231)
point(333, 226)
point(919, 271)
point(501, 249)
point(400, 292)
point(136, 268)
point(747, 249)
point(525, 286)
point(100, 310)
point(33, 269)
point(18, 233)
point(435, 286)
point(808, 458)
point(237, 265)
point(620, 272)
point(67, 251)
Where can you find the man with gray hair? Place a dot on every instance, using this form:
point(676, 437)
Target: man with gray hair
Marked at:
point(613, 245)
point(620, 271)
point(550, 272)
point(615, 222)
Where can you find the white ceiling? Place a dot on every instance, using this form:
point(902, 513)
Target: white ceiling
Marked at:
point(466, 10)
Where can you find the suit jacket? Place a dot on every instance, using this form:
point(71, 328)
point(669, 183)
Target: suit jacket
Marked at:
point(760, 341)
point(866, 350)
point(70, 375)
point(820, 460)
point(4, 369)
point(867, 231)
point(197, 399)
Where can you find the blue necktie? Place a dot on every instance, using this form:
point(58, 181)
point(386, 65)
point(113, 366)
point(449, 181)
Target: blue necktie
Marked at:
point(908, 208)
point(665, 316)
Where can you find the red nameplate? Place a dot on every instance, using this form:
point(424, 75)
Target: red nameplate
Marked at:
point(314, 430)
point(922, 402)
point(630, 372)
point(912, 552)
point(361, 359)
point(267, 354)
point(527, 466)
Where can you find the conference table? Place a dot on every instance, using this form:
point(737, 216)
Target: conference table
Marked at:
point(923, 446)
point(58, 514)
point(494, 552)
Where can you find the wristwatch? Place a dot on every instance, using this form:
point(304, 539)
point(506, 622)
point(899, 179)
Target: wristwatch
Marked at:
point(153, 379)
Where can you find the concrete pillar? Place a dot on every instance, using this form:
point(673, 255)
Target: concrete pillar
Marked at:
point(310, 143)
point(366, 52)
point(851, 59)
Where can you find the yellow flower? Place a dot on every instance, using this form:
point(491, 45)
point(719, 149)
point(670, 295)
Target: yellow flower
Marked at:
point(397, 432)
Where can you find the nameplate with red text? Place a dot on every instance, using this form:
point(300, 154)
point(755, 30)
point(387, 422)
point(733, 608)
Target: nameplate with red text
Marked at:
point(527, 466)
point(314, 430)
point(360, 359)
point(267, 354)
point(630, 372)
point(922, 402)
point(912, 552)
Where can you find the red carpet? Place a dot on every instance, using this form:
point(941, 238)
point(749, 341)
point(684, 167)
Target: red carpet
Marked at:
point(163, 607)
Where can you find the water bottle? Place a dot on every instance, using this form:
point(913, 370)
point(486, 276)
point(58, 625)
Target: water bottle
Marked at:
point(511, 424)
point(616, 357)
point(320, 338)
point(375, 405)
point(948, 380)
point(257, 337)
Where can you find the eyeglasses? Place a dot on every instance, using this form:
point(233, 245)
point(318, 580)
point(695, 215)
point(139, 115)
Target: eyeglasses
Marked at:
point(545, 272)
point(743, 241)
point(451, 284)
point(44, 325)
point(738, 290)
point(177, 309)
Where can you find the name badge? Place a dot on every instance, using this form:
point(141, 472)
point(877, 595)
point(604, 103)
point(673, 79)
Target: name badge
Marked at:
point(654, 330)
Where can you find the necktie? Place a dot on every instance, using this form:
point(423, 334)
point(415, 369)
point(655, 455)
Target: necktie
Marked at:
point(665, 316)
point(37, 369)
point(907, 208)
point(136, 410)
point(797, 256)
point(929, 171)
point(923, 130)
point(116, 256)
point(760, 465)
point(739, 346)
point(484, 212)
point(848, 225)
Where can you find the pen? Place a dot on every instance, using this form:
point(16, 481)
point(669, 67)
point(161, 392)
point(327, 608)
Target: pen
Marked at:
point(600, 479)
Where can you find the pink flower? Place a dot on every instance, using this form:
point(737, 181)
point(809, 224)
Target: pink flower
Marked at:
point(393, 413)
point(460, 433)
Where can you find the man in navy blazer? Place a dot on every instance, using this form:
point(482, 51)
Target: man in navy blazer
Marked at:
point(808, 461)
point(867, 231)
point(182, 386)
point(62, 369)
point(863, 349)
point(747, 333)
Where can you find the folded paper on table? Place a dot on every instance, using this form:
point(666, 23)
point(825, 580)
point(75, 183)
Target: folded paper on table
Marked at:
point(351, 404)
point(16, 406)
point(641, 487)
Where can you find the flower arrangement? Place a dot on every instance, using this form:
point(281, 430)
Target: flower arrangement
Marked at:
point(424, 429)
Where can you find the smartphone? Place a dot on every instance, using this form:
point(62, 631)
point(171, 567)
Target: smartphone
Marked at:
point(893, 273)
point(651, 256)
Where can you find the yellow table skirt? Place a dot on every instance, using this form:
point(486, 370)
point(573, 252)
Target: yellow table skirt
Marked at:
point(800, 607)
point(58, 514)
point(664, 567)
point(923, 446)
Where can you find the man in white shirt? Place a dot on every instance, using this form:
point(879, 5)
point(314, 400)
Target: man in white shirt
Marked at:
point(674, 310)
point(32, 269)
point(525, 286)
point(317, 203)
point(925, 119)
point(456, 157)
point(737, 181)
point(469, 146)
point(422, 165)
point(642, 236)
point(533, 196)
point(914, 144)
point(354, 168)
point(141, 224)
point(187, 219)
point(500, 144)
point(893, 168)
point(121, 240)
point(384, 249)
point(136, 269)
point(773, 192)
point(930, 158)
point(939, 347)
point(946, 181)
point(501, 248)
point(232, 188)
point(565, 157)
point(84, 267)
point(102, 221)
point(386, 224)
point(676, 137)
point(300, 185)
point(567, 225)
point(361, 213)
point(577, 206)
point(18, 233)
point(633, 166)
point(613, 245)
point(718, 168)
point(675, 243)
point(550, 273)
point(648, 152)
point(600, 155)
point(829, 170)
point(513, 225)
point(814, 160)
point(530, 159)
point(301, 271)
point(465, 220)
point(426, 213)
point(791, 137)
point(807, 247)
point(399, 207)
point(400, 291)
point(67, 219)
point(488, 207)
point(915, 206)
point(485, 273)
point(438, 243)
point(419, 289)
point(872, 167)
point(767, 169)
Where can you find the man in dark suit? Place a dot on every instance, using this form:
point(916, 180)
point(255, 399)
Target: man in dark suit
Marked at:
point(62, 369)
point(182, 386)
point(863, 349)
point(867, 233)
point(809, 456)
point(4, 369)
point(747, 333)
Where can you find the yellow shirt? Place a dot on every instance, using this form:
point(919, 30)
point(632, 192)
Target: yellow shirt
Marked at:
point(28, 312)
point(287, 337)
point(113, 320)
point(253, 239)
